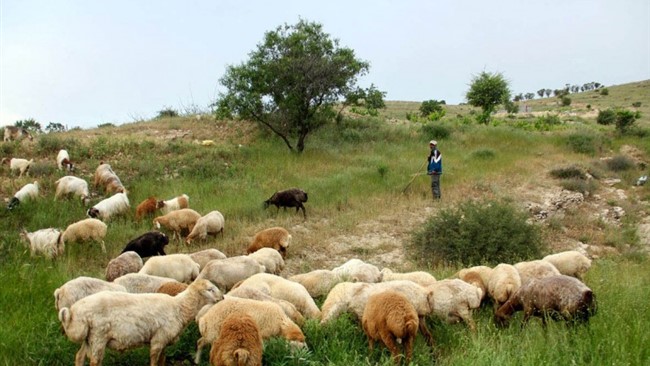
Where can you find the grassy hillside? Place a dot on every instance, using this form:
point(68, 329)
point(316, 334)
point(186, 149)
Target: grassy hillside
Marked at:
point(365, 200)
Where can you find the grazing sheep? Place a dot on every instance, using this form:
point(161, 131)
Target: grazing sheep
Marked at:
point(85, 230)
point(147, 207)
point(352, 297)
point(257, 294)
point(270, 258)
point(127, 262)
point(453, 300)
point(126, 321)
point(420, 277)
point(63, 161)
point(139, 283)
point(318, 282)
point(202, 257)
point(269, 317)
point(535, 269)
point(283, 289)
point(13, 133)
point(148, 244)
point(559, 296)
point(106, 177)
point(71, 185)
point(356, 270)
point(173, 204)
point(478, 276)
point(178, 266)
point(239, 342)
point(293, 197)
point(504, 282)
point(571, 263)
point(80, 287)
point(178, 221)
point(28, 192)
point(277, 238)
point(43, 241)
point(18, 165)
point(172, 288)
point(390, 316)
point(210, 224)
point(225, 273)
point(115, 205)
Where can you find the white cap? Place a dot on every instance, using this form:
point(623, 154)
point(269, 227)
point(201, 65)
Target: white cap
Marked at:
point(433, 142)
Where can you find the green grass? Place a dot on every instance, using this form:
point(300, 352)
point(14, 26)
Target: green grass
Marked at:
point(354, 173)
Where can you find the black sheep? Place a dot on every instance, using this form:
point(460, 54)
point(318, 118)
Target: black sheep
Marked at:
point(148, 244)
point(293, 197)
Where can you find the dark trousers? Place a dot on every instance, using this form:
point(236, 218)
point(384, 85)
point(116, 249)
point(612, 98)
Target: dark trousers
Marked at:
point(435, 186)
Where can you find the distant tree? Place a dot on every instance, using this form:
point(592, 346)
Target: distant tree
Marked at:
point(597, 85)
point(488, 91)
point(291, 82)
point(29, 124)
point(167, 112)
point(511, 107)
point(430, 106)
point(55, 127)
point(548, 92)
point(540, 92)
point(529, 96)
point(566, 101)
point(518, 97)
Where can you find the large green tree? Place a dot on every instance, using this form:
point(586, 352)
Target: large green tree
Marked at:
point(291, 82)
point(488, 90)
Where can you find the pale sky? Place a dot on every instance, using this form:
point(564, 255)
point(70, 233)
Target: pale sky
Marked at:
point(85, 62)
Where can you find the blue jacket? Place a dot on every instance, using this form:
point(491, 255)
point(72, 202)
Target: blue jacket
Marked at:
point(435, 162)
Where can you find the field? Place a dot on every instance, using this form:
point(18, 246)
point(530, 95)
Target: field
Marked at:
point(365, 200)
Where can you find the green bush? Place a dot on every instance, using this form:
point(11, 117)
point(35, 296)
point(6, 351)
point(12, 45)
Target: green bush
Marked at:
point(477, 233)
point(568, 172)
point(582, 143)
point(584, 186)
point(483, 154)
point(636, 104)
point(566, 101)
point(606, 117)
point(167, 112)
point(435, 131)
point(620, 163)
point(604, 91)
point(625, 119)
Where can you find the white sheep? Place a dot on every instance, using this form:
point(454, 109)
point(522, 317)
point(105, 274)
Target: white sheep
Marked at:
point(127, 262)
point(115, 205)
point(178, 221)
point(356, 270)
point(126, 321)
point(225, 273)
point(270, 318)
point(317, 282)
point(85, 230)
point(18, 165)
point(80, 287)
point(530, 270)
point(63, 161)
point(478, 276)
point(202, 257)
point(28, 192)
point(504, 281)
point(43, 241)
point(570, 263)
point(454, 300)
point(260, 295)
point(178, 266)
point(283, 289)
point(140, 283)
point(210, 224)
point(270, 258)
point(173, 204)
point(420, 277)
point(71, 185)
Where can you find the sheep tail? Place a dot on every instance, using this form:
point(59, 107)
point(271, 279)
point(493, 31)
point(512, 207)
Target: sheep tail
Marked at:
point(412, 326)
point(241, 356)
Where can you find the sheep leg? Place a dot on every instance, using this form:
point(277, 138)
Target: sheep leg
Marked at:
point(389, 341)
point(80, 357)
point(97, 348)
point(408, 347)
point(157, 355)
point(425, 331)
point(103, 246)
point(199, 345)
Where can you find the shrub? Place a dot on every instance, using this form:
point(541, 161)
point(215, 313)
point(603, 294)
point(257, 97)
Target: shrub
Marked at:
point(483, 154)
point(620, 163)
point(48, 144)
point(582, 143)
point(106, 125)
point(604, 91)
point(477, 233)
point(584, 186)
point(606, 117)
point(435, 131)
point(568, 172)
point(167, 112)
point(430, 106)
point(636, 104)
point(566, 101)
point(625, 119)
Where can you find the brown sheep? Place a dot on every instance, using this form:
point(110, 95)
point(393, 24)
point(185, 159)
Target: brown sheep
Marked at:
point(239, 343)
point(146, 208)
point(172, 288)
point(277, 238)
point(561, 297)
point(389, 316)
point(178, 221)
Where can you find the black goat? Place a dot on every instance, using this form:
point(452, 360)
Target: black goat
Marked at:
point(293, 197)
point(148, 244)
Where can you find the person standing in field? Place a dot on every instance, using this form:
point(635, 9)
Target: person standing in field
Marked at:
point(434, 168)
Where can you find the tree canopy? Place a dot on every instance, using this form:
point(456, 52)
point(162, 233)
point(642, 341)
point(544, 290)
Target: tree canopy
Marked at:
point(488, 91)
point(291, 82)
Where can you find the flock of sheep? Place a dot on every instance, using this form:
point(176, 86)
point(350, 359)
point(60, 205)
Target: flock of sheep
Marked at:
point(148, 297)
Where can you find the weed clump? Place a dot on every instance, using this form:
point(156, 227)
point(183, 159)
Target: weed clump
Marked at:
point(569, 172)
point(620, 163)
point(474, 233)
